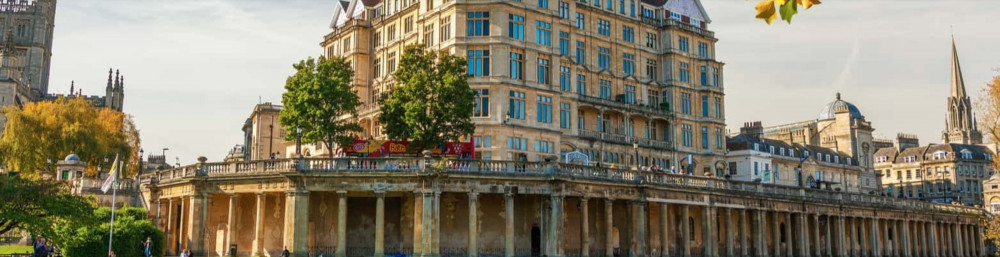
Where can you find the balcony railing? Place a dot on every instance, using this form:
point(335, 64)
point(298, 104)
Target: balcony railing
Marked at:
point(641, 108)
point(624, 139)
point(415, 166)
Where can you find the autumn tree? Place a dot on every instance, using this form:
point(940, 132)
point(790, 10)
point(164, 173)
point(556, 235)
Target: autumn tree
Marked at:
point(768, 10)
point(41, 133)
point(989, 113)
point(431, 102)
point(319, 100)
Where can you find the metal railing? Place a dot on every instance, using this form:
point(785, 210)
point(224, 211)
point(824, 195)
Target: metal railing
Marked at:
point(543, 170)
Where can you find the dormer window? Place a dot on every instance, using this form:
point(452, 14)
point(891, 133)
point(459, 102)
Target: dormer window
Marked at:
point(836, 159)
point(756, 147)
point(966, 154)
point(782, 151)
point(989, 157)
point(772, 149)
point(939, 155)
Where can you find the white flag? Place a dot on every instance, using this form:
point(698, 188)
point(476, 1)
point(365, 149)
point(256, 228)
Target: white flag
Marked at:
point(112, 177)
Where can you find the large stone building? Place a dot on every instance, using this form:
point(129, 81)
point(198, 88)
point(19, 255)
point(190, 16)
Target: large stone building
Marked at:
point(840, 126)
point(950, 172)
point(30, 25)
point(612, 80)
point(263, 135)
point(752, 157)
point(429, 207)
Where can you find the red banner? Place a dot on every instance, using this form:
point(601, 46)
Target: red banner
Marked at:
point(380, 148)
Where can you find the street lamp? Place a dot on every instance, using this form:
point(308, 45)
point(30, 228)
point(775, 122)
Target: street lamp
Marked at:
point(635, 146)
point(298, 141)
point(140, 161)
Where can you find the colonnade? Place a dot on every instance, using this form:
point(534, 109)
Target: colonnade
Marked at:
point(651, 227)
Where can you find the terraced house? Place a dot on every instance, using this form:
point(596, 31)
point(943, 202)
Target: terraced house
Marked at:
point(623, 82)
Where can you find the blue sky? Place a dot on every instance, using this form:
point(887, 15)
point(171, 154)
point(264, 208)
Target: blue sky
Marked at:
point(195, 68)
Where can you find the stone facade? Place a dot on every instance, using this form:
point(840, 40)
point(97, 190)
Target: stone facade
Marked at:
point(991, 194)
point(30, 25)
point(434, 207)
point(753, 158)
point(557, 76)
point(263, 134)
point(942, 173)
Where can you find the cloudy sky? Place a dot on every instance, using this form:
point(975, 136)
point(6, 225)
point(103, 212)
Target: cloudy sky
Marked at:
point(195, 68)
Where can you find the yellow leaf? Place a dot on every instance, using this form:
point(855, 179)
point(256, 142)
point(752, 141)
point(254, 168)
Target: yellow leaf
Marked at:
point(766, 11)
point(781, 2)
point(807, 3)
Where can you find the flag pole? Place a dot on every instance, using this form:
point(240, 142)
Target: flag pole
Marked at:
point(114, 193)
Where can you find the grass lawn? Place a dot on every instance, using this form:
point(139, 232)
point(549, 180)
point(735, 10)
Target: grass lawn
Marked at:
point(9, 249)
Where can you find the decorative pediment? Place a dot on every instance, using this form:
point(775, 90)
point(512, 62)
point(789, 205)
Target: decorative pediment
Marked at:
point(689, 8)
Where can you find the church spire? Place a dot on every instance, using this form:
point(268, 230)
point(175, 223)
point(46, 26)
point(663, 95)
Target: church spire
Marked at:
point(957, 83)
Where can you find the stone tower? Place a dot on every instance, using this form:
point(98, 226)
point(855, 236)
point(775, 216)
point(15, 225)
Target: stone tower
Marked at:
point(32, 24)
point(960, 125)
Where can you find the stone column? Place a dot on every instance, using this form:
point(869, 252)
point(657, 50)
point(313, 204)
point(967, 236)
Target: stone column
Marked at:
point(508, 239)
point(429, 224)
point(708, 230)
point(863, 237)
point(842, 236)
point(829, 235)
point(727, 223)
point(907, 250)
point(850, 235)
point(776, 233)
point(979, 241)
point(685, 241)
point(932, 237)
point(759, 240)
point(925, 239)
point(817, 245)
point(803, 234)
point(157, 221)
point(380, 224)
point(584, 228)
point(639, 228)
point(963, 249)
point(341, 250)
point(789, 238)
point(609, 246)
point(196, 224)
point(741, 232)
point(230, 222)
point(297, 222)
point(957, 236)
point(258, 230)
point(664, 229)
point(169, 229)
point(436, 210)
point(473, 224)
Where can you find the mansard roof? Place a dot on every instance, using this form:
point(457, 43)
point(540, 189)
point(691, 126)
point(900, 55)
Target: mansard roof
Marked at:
point(923, 153)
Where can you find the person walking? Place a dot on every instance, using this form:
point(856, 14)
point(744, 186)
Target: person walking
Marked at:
point(285, 252)
point(147, 247)
point(40, 250)
point(185, 253)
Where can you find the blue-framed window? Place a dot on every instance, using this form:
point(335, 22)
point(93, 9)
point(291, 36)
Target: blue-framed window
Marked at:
point(544, 71)
point(544, 4)
point(604, 57)
point(704, 75)
point(478, 24)
point(515, 26)
point(565, 119)
point(581, 52)
point(682, 44)
point(628, 34)
point(686, 103)
point(563, 43)
point(563, 10)
point(564, 78)
point(581, 84)
point(683, 72)
point(516, 108)
point(581, 21)
point(704, 106)
point(478, 62)
point(604, 27)
point(482, 103)
point(543, 33)
point(605, 89)
point(516, 65)
point(544, 107)
point(702, 50)
point(628, 64)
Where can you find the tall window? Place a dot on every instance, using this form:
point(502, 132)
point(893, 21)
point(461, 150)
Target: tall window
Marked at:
point(544, 107)
point(516, 65)
point(478, 24)
point(686, 135)
point(581, 52)
point(683, 73)
point(628, 64)
point(563, 43)
point(718, 107)
point(630, 94)
point(517, 143)
point(704, 75)
point(651, 40)
point(628, 34)
point(391, 63)
point(564, 78)
point(651, 69)
point(704, 106)
point(704, 137)
point(515, 26)
point(390, 33)
point(564, 115)
point(563, 10)
point(686, 103)
point(429, 35)
point(544, 74)
point(719, 141)
point(715, 76)
point(544, 4)
point(603, 27)
point(603, 57)
point(543, 33)
point(516, 105)
point(479, 62)
point(581, 21)
point(377, 65)
point(445, 29)
point(408, 24)
point(605, 89)
point(482, 102)
point(682, 44)
point(702, 50)
point(581, 84)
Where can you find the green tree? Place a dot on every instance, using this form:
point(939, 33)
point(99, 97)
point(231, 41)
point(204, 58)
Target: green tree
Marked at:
point(132, 226)
point(34, 205)
point(42, 132)
point(319, 100)
point(431, 102)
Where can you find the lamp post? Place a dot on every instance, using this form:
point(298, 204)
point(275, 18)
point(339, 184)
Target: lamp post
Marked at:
point(635, 146)
point(140, 161)
point(298, 141)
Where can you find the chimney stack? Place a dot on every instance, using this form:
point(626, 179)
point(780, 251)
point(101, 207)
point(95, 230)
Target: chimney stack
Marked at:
point(753, 128)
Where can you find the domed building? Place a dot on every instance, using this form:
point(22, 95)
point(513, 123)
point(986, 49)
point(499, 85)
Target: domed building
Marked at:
point(839, 126)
